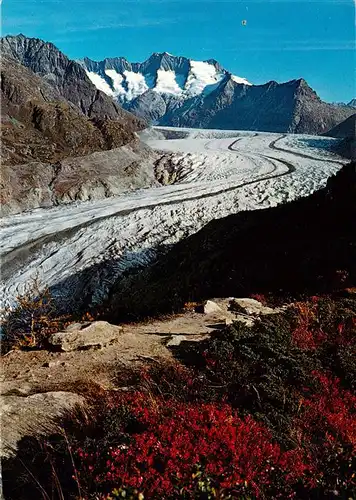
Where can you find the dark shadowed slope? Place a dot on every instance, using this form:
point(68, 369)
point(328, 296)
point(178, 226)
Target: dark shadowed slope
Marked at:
point(346, 131)
point(306, 245)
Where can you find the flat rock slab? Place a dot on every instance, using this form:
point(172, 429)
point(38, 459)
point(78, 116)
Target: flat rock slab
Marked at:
point(98, 334)
point(34, 415)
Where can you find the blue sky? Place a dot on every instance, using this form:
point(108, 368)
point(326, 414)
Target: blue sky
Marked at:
point(283, 39)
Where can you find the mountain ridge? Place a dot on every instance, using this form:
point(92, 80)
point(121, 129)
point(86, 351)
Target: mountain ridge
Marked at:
point(173, 77)
point(67, 77)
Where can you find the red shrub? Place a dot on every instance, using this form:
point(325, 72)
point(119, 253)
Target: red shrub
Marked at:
point(180, 439)
point(307, 335)
point(318, 323)
point(327, 428)
point(260, 297)
point(331, 412)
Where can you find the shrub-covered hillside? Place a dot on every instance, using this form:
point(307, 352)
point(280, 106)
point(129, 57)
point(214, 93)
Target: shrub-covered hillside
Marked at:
point(261, 412)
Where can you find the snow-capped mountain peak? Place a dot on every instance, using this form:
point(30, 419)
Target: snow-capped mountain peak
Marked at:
point(163, 73)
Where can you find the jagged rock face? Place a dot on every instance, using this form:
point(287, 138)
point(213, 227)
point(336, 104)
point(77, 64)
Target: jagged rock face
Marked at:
point(154, 107)
point(150, 105)
point(67, 77)
point(352, 103)
point(156, 62)
point(38, 124)
point(176, 91)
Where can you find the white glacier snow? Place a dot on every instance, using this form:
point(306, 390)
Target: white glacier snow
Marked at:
point(117, 81)
point(202, 77)
point(136, 84)
point(240, 80)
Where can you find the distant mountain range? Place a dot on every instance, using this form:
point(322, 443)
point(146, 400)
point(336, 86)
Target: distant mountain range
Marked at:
point(176, 91)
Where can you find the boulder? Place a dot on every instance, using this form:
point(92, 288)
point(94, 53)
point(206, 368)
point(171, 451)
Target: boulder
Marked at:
point(211, 307)
point(251, 307)
point(98, 334)
point(241, 319)
point(176, 340)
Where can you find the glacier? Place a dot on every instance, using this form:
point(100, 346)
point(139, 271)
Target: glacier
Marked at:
point(80, 251)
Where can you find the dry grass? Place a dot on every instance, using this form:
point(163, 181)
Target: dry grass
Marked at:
point(33, 319)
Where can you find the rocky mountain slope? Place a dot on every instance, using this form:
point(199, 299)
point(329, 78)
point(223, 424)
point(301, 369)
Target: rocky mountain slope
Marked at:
point(92, 177)
point(67, 77)
point(176, 91)
point(346, 131)
point(54, 151)
point(39, 124)
point(305, 245)
point(290, 107)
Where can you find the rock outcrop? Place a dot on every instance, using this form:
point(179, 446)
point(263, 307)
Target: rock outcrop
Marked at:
point(79, 337)
point(32, 416)
point(96, 176)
